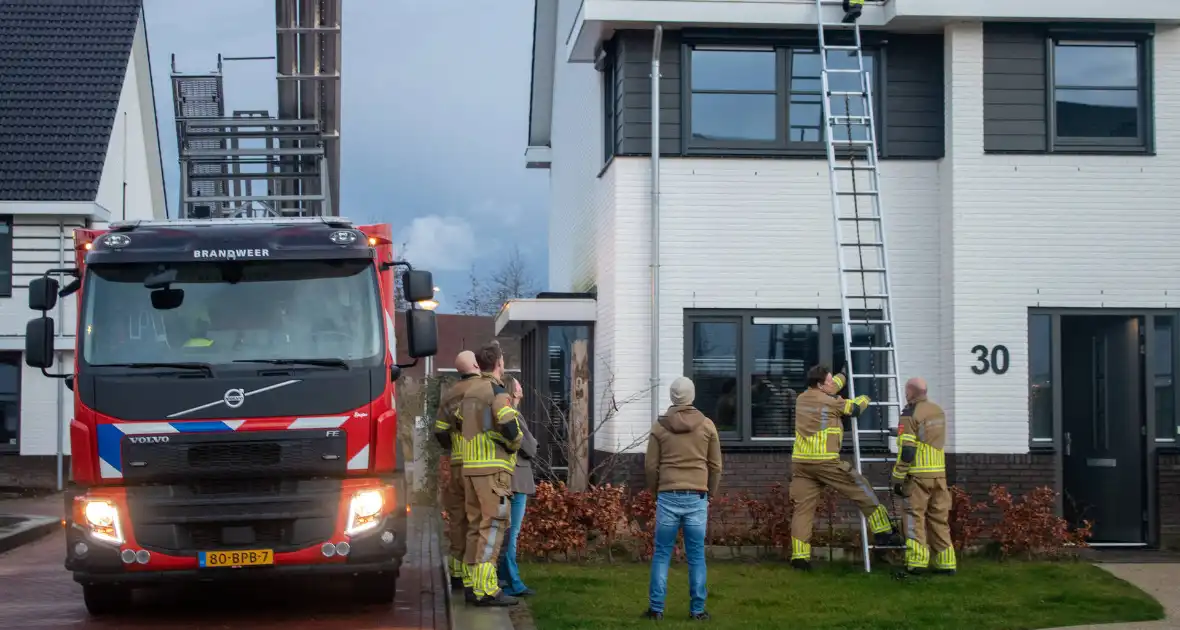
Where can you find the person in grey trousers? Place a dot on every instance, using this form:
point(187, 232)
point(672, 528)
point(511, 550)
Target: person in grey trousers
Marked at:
point(522, 486)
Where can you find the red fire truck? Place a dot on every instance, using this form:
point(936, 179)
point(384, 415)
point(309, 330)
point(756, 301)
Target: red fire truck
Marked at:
point(234, 411)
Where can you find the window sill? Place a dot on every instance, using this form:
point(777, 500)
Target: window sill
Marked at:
point(1081, 150)
point(1042, 448)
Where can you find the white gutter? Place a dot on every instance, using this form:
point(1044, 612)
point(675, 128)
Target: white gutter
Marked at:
point(657, 44)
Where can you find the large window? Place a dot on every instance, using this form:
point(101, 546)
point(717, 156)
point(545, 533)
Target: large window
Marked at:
point(1099, 94)
point(749, 367)
point(1040, 380)
point(227, 312)
point(10, 366)
point(770, 97)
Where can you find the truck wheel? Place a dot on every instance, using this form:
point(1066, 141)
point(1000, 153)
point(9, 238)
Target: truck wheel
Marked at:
point(104, 599)
point(376, 588)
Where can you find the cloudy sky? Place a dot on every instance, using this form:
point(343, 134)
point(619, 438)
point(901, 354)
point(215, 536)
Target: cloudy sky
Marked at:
point(434, 118)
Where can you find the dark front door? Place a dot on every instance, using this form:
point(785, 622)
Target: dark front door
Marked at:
point(1102, 425)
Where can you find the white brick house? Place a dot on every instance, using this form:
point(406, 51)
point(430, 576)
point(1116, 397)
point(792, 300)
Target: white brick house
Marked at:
point(78, 148)
point(1029, 152)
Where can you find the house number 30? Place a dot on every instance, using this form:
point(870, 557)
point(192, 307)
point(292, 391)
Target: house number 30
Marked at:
point(994, 359)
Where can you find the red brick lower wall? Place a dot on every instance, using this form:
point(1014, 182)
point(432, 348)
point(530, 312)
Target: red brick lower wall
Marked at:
point(31, 471)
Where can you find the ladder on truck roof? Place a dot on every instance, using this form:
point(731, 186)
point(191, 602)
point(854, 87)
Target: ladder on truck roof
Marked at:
point(866, 304)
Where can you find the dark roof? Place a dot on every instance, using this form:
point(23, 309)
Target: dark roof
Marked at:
point(62, 64)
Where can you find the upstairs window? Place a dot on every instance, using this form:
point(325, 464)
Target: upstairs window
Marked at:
point(1099, 95)
point(734, 96)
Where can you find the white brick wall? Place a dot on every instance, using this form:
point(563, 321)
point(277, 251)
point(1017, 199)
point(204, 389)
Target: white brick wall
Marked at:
point(756, 234)
point(975, 240)
point(38, 408)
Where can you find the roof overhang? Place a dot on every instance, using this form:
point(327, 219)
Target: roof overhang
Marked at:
point(597, 20)
point(538, 157)
point(541, 93)
point(517, 316)
point(88, 209)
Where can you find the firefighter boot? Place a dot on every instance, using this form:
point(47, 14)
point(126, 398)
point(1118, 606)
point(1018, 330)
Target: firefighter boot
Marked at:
point(800, 564)
point(499, 599)
point(852, 9)
point(469, 595)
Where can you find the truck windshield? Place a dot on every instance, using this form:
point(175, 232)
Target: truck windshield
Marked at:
point(227, 312)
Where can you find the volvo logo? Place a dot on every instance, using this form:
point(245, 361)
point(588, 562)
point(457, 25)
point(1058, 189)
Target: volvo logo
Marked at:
point(149, 439)
point(234, 398)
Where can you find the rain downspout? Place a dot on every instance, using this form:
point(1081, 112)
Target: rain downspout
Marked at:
point(657, 44)
point(61, 415)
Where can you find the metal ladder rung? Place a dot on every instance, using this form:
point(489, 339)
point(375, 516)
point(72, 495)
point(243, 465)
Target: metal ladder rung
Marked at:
point(875, 460)
point(865, 270)
point(885, 403)
point(845, 71)
point(870, 322)
point(848, 118)
point(855, 376)
point(841, 47)
point(857, 193)
point(879, 296)
point(832, 93)
point(871, 348)
point(862, 244)
point(854, 143)
point(864, 167)
point(838, 24)
point(895, 547)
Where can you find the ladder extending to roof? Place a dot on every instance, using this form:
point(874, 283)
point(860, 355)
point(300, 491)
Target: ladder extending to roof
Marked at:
point(850, 139)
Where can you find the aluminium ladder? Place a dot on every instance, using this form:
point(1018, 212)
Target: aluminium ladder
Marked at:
point(850, 135)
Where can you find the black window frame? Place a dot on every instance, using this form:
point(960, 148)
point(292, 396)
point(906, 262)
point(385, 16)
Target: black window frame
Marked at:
point(609, 106)
point(826, 319)
point(1043, 442)
point(14, 358)
point(782, 145)
point(1142, 41)
point(6, 247)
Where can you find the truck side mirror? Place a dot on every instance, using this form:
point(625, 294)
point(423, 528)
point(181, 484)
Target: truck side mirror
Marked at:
point(418, 286)
point(43, 294)
point(421, 333)
point(39, 342)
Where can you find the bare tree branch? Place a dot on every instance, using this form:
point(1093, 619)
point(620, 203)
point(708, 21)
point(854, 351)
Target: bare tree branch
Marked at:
point(487, 294)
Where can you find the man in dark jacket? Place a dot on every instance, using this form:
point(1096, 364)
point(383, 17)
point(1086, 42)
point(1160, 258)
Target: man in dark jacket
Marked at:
point(522, 486)
point(683, 467)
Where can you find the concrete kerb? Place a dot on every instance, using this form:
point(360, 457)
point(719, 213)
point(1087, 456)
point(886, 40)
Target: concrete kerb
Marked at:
point(17, 529)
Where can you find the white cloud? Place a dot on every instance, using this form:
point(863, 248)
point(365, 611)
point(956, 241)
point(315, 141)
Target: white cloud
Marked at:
point(438, 243)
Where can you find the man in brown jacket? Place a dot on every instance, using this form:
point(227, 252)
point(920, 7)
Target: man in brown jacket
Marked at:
point(920, 476)
point(683, 467)
point(449, 433)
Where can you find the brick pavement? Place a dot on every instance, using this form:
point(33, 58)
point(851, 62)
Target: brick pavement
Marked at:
point(40, 593)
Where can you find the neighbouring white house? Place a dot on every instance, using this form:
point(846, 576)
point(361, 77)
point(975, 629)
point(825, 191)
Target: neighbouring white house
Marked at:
point(1029, 155)
point(78, 148)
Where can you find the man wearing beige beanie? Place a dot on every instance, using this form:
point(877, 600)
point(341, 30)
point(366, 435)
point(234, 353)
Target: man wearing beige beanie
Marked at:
point(683, 467)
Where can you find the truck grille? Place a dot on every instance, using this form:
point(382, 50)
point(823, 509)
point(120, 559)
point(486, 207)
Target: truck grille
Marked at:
point(249, 454)
point(184, 518)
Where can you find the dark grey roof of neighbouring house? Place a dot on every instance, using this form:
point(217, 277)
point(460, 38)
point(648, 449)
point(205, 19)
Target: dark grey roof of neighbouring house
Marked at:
point(62, 64)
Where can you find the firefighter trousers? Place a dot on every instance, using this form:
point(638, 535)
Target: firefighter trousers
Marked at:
point(455, 503)
point(927, 523)
point(488, 499)
point(807, 483)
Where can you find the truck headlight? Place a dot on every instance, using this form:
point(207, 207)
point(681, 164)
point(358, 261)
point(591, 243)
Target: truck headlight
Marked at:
point(102, 521)
point(364, 511)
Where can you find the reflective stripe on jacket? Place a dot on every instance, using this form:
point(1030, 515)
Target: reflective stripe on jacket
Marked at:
point(818, 425)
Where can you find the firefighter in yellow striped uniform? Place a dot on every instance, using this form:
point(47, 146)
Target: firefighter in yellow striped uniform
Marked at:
point(920, 477)
point(852, 9)
point(491, 437)
point(815, 462)
point(449, 433)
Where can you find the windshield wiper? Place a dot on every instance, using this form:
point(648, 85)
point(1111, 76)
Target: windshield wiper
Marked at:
point(337, 363)
point(182, 365)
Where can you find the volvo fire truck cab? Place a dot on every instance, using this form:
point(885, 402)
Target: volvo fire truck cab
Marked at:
point(234, 405)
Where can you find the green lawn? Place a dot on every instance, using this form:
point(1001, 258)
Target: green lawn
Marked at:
point(985, 595)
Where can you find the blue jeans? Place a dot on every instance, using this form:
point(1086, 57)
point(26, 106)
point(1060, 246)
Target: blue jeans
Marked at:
point(508, 572)
point(675, 512)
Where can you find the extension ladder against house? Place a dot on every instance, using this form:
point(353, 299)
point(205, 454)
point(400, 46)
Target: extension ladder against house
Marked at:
point(850, 136)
